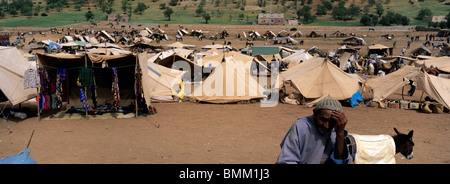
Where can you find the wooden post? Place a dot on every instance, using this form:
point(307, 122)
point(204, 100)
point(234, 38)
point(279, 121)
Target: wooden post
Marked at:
point(136, 90)
point(85, 88)
point(38, 109)
point(38, 89)
point(421, 96)
point(402, 92)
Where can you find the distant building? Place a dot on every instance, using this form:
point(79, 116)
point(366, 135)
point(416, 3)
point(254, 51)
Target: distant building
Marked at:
point(118, 17)
point(436, 18)
point(273, 19)
point(292, 22)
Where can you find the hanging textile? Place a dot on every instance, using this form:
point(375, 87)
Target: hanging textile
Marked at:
point(115, 89)
point(41, 100)
point(48, 102)
point(54, 100)
point(45, 80)
point(85, 76)
point(58, 90)
point(62, 74)
point(83, 98)
point(31, 79)
point(137, 79)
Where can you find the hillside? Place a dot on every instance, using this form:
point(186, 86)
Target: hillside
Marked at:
point(232, 12)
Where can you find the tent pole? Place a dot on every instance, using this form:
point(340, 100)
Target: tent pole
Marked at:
point(85, 88)
point(136, 90)
point(402, 92)
point(421, 96)
point(38, 89)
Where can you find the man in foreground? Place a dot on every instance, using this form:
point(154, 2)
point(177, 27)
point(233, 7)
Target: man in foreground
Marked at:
point(317, 139)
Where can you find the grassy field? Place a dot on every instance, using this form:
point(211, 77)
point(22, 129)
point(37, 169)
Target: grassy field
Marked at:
point(184, 13)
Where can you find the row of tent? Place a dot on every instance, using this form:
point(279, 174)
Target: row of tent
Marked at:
point(317, 77)
point(230, 79)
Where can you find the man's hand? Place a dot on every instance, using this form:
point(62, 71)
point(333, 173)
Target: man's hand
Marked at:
point(341, 121)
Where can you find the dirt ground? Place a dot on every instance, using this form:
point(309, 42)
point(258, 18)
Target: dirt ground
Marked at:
point(191, 133)
point(216, 133)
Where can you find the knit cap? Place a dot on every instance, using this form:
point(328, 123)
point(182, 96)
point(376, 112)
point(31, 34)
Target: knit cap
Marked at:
point(329, 103)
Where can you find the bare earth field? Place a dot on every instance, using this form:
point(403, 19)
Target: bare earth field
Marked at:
point(191, 133)
point(214, 133)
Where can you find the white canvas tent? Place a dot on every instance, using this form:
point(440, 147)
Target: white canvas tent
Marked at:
point(159, 82)
point(318, 77)
point(441, 63)
point(229, 82)
point(382, 87)
point(12, 68)
point(106, 36)
point(437, 88)
point(180, 45)
point(297, 58)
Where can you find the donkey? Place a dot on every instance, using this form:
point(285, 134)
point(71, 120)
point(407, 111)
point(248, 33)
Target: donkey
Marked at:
point(404, 143)
point(379, 149)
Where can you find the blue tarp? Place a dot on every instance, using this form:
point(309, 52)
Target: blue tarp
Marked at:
point(54, 45)
point(355, 99)
point(22, 158)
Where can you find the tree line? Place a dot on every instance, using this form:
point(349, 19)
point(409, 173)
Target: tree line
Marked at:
point(28, 8)
point(369, 12)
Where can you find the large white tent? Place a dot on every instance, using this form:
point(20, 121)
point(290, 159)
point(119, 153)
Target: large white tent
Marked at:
point(12, 68)
point(318, 77)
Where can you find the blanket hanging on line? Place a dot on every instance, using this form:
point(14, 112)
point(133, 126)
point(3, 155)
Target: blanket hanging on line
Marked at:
point(115, 89)
point(83, 98)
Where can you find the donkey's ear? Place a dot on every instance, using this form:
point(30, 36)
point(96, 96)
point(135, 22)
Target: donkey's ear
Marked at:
point(410, 134)
point(396, 131)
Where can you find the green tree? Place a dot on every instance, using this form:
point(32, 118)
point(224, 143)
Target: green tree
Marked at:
point(365, 20)
point(424, 12)
point(58, 4)
point(199, 11)
point(442, 24)
point(106, 6)
point(216, 3)
point(125, 6)
point(162, 6)
point(340, 12)
point(261, 3)
point(173, 2)
point(77, 7)
point(207, 17)
point(328, 5)
point(448, 20)
point(140, 7)
point(202, 2)
point(369, 20)
point(394, 18)
point(305, 12)
point(13, 12)
point(89, 15)
point(380, 9)
point(168, 12)
point(321, 10)
point(37, 9)
point(25, 7)
point(353, 10)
